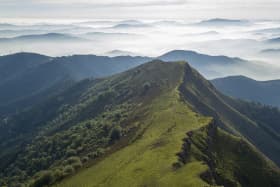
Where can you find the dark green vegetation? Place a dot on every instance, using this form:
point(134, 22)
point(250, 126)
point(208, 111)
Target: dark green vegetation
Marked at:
point(143, 127)
point(231, 160)
point(265, 92)
point(27, 79)
point(233, 115)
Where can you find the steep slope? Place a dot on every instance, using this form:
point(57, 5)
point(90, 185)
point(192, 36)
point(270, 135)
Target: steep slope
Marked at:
point(133, 129)
point(230, 114)
point(27, 80)
point(225, 166)
point(231, 160)
point(265, 92)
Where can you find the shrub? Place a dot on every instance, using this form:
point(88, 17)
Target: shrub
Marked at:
point(73, 159)
point(44, 178)
point(71, 152)
point(106, 128)
point(77, 165)
point(18, 185)
point(146, 85)
point(68, 170)
point(115, 134)
point(85, 159)
point(57, 174)
point(75, 162)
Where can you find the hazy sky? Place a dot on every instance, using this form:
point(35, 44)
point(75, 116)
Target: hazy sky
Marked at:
point(139, 9)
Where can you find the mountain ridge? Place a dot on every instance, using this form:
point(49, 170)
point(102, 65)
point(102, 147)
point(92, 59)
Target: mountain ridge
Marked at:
point(265, 92)
point(139, 118)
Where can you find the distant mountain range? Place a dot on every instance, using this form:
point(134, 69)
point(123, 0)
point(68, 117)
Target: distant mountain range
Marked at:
point(266, 92)
point(223, 22)
point(274, 40)
point(198, 59)
point(49, 37)
point(131, 26)
point(220, 66)
point(27, 78)
point(271, 51)
point(109, 35)
point(115, 53)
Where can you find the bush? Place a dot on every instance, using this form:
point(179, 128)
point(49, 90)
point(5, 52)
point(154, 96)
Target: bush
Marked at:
point(115, 134)
point(68, 170)
point(44, 178)
point(85, 159)
point(146, 85)
point(18, 185)
point(71, 152)
point(106, 95)
point(57, 174)
point(73, 159)
point(77, 165)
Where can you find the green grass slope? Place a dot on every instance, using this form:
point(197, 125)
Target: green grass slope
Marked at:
point(159, 157)
point(148, 161)
point(80, 122)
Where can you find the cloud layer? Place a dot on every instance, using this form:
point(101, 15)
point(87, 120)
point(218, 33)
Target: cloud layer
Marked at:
point(173, 9)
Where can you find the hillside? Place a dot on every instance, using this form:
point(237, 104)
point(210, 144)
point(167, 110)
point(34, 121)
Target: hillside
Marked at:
point(27, 80)
point(145, 127)
point(13, 65)
point(216, 66)
point(265, 92)
point(208, 65)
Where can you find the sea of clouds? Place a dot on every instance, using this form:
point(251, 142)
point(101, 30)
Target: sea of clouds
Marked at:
point(253, 40)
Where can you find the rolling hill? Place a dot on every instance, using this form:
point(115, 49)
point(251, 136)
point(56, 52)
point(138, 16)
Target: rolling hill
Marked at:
point(273, 40)
point(28, 78)
point(219, 22)
point(49, 37)
point(159, 124)
point(213, 67)
point(265, 92)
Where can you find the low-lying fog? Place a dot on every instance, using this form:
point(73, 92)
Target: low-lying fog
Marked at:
point(252, 40)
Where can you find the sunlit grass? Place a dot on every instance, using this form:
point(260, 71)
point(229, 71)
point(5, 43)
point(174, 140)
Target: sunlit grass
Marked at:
point(148, 161)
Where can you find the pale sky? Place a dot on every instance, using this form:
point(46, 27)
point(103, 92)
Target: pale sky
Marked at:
point(139, 9)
